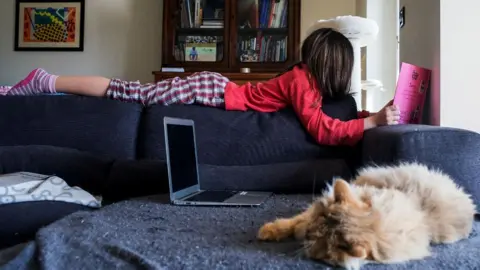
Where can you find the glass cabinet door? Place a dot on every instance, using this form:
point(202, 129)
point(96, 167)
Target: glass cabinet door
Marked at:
point(262, 27)
point(200, 31)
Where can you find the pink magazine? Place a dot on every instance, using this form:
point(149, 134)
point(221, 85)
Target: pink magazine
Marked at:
point(411, 90)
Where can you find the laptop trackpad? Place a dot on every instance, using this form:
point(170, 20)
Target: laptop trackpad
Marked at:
point(249, 197)
point(211, 196)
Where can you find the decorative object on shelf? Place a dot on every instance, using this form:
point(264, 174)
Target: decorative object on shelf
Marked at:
point(203, 49)
point(361, 32)
point(56, 25)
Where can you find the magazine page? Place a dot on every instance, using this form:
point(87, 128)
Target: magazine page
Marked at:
point(412, 85)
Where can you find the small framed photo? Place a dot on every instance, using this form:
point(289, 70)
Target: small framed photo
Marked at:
point(56, 25)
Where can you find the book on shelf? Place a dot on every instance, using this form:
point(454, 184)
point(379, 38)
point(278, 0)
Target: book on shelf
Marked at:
point(195, 14)
point(263, 49)
point(211, 23)
point(267, 14)
point(179, 52)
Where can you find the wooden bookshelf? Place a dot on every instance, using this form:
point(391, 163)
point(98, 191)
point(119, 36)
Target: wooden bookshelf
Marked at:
point(228, 35)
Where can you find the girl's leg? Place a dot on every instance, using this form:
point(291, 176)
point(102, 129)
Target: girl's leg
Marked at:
point(83, 85)
point(205, 88)
point(39, 81)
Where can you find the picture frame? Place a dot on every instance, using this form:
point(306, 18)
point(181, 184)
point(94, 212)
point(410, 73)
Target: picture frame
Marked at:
point(55, 25)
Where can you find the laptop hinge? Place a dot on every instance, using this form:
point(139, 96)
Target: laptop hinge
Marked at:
point(190, 195)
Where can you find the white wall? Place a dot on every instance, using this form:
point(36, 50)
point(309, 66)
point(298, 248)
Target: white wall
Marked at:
point(382, 55)
point(460, 64)
point(122, 39)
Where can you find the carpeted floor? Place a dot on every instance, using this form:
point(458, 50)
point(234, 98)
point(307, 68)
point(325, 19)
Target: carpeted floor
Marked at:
point(148, 234)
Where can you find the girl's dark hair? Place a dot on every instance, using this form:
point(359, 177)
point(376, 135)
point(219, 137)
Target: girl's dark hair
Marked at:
point(329, 56)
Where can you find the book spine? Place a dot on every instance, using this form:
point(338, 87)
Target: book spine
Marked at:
point(265, 14)
point(197, 13)
point(271, 13)
point(277, 51)
point(284, 18)
point(256, 12)
point(279, 16)
point(262, 13)
point(276, 14)
point(189, 12)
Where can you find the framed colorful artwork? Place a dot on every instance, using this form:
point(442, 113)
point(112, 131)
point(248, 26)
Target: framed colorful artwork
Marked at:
point(56, 25)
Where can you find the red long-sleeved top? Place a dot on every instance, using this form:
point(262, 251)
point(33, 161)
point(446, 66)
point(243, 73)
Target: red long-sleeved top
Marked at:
point(293, 88)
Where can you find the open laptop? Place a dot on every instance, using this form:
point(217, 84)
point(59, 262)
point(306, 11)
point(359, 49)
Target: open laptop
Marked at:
point(183, 176)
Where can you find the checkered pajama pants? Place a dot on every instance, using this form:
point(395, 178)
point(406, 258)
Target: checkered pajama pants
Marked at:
point(205, 88)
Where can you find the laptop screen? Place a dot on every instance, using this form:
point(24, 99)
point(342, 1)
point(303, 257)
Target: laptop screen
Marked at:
point(183, 160)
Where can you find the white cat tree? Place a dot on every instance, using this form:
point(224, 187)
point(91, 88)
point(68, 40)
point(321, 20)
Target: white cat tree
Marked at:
point(360, 31)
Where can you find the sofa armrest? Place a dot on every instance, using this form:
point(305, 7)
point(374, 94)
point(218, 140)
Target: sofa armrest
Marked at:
point(454, 151)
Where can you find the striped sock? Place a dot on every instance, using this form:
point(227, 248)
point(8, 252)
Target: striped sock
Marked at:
point(4, 90)
point(37, 82)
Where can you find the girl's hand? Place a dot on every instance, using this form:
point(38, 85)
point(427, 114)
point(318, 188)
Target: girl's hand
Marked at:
point(388, 115)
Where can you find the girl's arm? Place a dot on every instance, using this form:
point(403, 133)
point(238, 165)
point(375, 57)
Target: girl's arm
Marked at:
point(325, 129)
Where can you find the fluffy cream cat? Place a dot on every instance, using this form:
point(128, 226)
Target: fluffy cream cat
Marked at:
point(386, 215)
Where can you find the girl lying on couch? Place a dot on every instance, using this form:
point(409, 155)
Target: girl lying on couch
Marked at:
point(323, 74)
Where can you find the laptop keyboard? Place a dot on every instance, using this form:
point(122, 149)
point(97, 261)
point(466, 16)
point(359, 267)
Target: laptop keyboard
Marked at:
point(211, 196)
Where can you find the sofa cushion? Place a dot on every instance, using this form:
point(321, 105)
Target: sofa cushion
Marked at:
point(20, 221)
point(308, 176)
point(96, 125)
point(77, 168)
point(230, 138)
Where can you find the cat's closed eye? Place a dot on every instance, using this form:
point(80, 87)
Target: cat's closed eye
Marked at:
point(344, 246)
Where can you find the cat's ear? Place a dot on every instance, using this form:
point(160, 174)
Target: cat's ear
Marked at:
point(358, 251)
point(342, 192)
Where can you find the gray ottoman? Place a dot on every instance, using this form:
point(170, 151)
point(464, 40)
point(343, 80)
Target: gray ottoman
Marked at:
point(146, 233)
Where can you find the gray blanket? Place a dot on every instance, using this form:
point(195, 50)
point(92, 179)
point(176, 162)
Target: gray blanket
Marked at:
point(148, 234)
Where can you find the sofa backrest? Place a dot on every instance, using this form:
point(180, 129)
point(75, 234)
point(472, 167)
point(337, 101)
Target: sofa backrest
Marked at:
point(122, 130)
point(237, 138)
point(99, 126)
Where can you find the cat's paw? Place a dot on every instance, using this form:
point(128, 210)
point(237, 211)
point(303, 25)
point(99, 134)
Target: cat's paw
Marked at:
point(270, 232)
